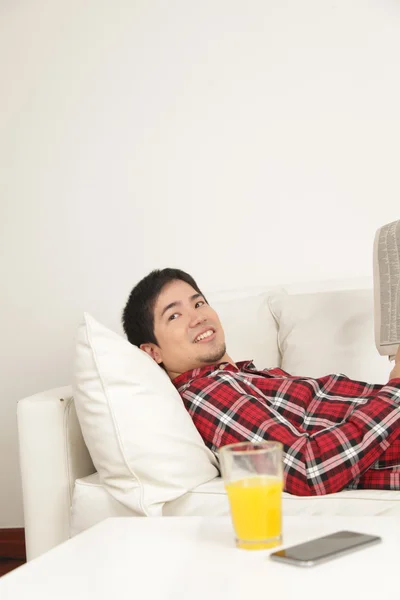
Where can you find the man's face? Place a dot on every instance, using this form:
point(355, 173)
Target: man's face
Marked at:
point(188, 330)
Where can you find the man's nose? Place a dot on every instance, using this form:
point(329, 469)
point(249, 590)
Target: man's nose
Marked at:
point(196, 319)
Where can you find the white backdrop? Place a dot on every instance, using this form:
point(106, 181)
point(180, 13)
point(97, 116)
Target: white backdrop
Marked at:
point(248, 142)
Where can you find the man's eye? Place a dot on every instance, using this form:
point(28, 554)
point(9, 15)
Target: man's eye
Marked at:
point(200, 302)
point(173, 317)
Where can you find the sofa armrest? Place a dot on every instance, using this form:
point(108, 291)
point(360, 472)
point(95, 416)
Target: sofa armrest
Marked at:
point(53, 455)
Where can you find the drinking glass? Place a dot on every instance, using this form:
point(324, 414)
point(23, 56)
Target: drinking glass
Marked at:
point(253, 478)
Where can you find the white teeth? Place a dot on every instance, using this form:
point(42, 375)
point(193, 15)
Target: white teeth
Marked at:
point(204, 335)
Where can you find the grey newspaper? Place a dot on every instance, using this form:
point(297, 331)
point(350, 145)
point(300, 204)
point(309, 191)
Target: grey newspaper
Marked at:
point(386, 271)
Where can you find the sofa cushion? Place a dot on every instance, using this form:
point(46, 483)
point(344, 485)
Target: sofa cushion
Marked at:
point(92, 503)
point(329, 332)
point(250, 328)
point(142, 441)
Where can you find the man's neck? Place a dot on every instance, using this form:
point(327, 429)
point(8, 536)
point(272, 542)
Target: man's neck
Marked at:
point(225, 359)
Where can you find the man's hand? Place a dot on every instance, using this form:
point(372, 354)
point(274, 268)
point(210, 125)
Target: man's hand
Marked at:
point(395, 372)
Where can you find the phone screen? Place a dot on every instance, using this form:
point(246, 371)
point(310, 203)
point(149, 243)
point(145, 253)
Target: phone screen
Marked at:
point(326, 546)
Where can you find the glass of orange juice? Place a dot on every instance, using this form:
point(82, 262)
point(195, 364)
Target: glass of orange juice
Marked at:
point(253, 478)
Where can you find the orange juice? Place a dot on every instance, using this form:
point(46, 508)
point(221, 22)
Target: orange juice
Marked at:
point(256, 510)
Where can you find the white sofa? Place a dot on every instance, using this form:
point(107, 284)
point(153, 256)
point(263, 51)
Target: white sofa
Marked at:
point(310, 329)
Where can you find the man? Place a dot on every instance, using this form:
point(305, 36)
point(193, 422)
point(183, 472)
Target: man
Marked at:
point(336, 433)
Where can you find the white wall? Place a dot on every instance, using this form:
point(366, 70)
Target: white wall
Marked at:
point(246, 142)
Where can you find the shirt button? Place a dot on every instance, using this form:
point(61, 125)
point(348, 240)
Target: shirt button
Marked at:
point(222, 366)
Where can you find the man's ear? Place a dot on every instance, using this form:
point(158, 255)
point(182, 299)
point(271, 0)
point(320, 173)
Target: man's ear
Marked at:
point(153, 351)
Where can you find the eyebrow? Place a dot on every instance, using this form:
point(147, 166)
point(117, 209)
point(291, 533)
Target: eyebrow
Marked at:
point(174, 304)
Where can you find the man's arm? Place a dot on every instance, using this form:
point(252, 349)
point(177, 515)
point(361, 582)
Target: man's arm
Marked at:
point(321, 463)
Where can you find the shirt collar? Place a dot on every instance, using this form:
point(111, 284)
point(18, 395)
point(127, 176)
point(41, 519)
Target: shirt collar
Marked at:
point(207, 370)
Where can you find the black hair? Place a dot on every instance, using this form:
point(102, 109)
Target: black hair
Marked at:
point(138, 314)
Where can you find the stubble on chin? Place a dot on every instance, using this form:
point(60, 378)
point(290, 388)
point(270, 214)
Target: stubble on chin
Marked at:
point(214, 356)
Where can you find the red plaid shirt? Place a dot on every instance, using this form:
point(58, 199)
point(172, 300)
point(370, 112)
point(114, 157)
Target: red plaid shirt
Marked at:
point(336, 433)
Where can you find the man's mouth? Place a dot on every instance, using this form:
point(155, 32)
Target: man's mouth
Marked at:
point(205, 336)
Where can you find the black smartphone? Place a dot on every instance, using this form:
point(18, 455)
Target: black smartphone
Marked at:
point(324, 548)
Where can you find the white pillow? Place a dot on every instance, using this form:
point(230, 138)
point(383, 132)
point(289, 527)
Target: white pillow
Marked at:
point(329, 332)
point(142, 440)
point(250, 329)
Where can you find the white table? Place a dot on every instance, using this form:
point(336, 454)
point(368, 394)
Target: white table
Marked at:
point(195, 558)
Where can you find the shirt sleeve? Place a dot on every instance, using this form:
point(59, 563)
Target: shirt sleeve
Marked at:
point(323, 462)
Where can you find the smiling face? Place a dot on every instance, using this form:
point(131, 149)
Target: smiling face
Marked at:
point(187, 329)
